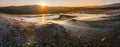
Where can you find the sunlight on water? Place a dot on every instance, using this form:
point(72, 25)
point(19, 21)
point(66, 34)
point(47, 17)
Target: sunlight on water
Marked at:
point(91, 17)
point(57, 22)
point(41, 20)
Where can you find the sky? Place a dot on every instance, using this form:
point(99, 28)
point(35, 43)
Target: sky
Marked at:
point(71, 3)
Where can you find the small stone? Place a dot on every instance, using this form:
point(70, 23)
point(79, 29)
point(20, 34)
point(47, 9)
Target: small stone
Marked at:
point(103, 39)
point(118, 37)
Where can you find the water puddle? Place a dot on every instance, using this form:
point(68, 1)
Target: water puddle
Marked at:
point(46, 18)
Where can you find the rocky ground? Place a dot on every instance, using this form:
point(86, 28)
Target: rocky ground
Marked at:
point(101, 33)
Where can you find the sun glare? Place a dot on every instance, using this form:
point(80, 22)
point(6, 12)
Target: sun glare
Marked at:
point(43, 9)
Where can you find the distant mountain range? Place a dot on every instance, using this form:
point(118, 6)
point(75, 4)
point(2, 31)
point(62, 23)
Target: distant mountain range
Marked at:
point(112, 5)
point(36, 9)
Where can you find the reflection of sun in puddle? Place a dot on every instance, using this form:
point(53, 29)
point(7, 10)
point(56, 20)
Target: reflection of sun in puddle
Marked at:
point(43, 19)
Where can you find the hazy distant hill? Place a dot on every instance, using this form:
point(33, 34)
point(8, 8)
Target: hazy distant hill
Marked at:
point(112, 6)
point(33, 9)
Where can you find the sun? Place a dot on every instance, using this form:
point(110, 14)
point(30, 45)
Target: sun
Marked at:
point(43, 4)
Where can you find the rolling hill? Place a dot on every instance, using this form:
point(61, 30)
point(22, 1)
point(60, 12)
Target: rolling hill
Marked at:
point(36, 9)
